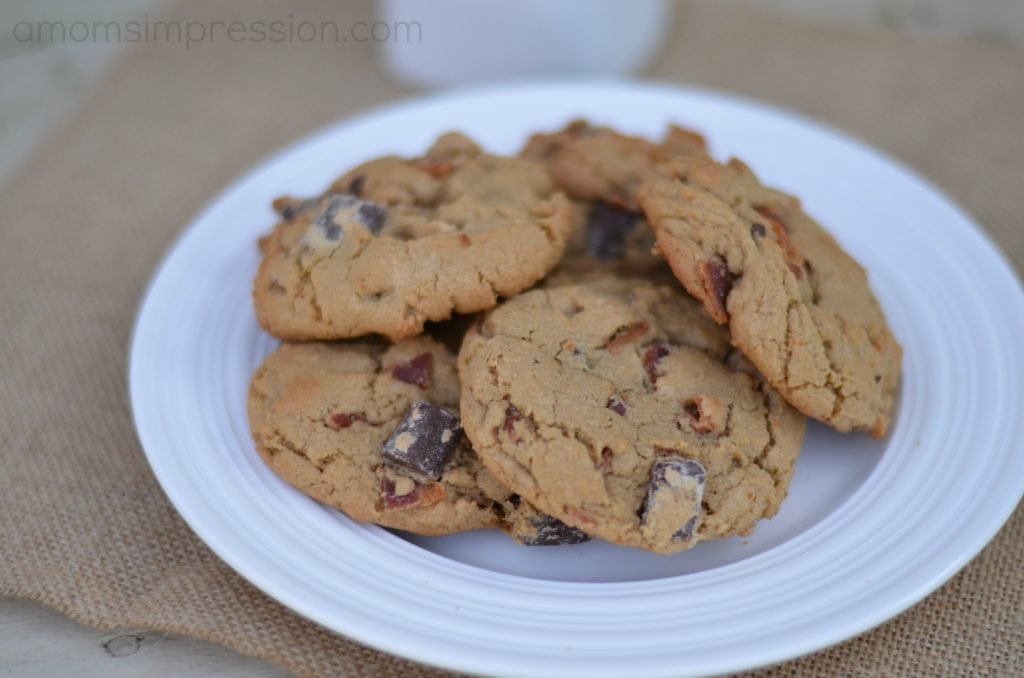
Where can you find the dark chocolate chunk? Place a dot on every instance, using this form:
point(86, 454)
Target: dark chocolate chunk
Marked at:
point(607, 228)
point(325, 222)
point(369, 214)
point(290, 208)
point(674, 494)
point(355, 187)
point(758, 230)
point(419, 371)
point(426, 439)
point(616, 406)
point(550, 531)
point(686, 533)
point(290, 211)
point(372, 215)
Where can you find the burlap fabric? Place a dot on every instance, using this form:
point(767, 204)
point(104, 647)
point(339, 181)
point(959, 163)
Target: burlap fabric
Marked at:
point(84, 527)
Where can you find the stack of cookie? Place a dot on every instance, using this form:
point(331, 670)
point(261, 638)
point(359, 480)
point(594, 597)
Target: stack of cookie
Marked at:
point(603, 337)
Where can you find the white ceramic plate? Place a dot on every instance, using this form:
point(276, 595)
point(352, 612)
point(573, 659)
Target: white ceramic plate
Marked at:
point(870, 527)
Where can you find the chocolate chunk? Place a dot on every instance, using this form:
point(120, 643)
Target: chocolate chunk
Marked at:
point(348, 209)
point(550, 531)
point(616, 406)
point(686, 532)
point(717, 281)
point(426, 439)
point(758, 230)
point(419, 371)
point(672, 508)
point(290, 208)
point(627, 334)
point(607, 228)
point(325, 222)
point(356, 186)
point(652, 355)
point(372, 215)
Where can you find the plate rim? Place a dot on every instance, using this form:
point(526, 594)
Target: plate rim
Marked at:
point(297, 146)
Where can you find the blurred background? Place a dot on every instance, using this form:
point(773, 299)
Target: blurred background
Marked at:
point(43, 79)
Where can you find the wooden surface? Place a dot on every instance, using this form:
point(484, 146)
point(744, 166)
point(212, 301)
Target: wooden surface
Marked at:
point(36, 641)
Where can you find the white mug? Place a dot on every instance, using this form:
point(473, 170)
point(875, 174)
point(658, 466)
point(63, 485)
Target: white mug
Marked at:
point(454, 42)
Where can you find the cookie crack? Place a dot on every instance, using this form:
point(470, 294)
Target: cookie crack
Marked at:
point(787, 343)
point(760, 459)
point(289, 446)
point(834, 381)
point(488, 283)
point(305, 278)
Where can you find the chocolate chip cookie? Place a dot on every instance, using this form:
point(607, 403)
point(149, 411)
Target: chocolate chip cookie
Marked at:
point(599, 164)
point(608, 240)
point(399, 242)
point(797, 305)
point(619, 408)
point(375, 431)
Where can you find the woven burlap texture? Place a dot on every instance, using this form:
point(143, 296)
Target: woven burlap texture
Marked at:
point(84, 526)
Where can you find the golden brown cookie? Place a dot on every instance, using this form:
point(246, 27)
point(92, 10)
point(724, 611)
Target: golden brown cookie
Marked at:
point(399, 242)
point(619, 408)
point(598, 164)
point(375, 431)
point(606, 239)
point(797, 305)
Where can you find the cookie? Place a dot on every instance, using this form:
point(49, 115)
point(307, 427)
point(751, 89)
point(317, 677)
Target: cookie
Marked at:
point(375, 432)
point(399, 242)
point(598, 164)
point(619, 408)
point(608, 240)
point(601, 169)
point(797, 305)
